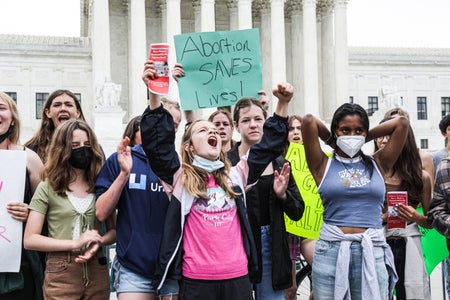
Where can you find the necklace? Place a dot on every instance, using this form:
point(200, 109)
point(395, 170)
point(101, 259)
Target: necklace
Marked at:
point(351, 176)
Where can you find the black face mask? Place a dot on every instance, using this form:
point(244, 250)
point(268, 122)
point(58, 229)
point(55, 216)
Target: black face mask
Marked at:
point(6, 134)
point(81, 158)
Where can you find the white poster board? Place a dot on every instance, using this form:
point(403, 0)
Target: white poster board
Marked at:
point(12, 186)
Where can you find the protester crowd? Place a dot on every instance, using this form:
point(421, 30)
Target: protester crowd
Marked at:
point(208, 220)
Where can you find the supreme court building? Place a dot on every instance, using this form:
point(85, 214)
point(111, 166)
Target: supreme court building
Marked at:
point(302, 41)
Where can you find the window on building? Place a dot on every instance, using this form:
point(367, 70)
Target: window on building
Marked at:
point(423, 143)
point(421, 108)
point(372, 105)
point(445, 106)
point(13, 95)
point(350, 99)
point(78, 95)
point(40, 100)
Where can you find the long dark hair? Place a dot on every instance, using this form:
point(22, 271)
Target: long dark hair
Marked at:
point(409, 167)
point(348, 109)
point(41, 140)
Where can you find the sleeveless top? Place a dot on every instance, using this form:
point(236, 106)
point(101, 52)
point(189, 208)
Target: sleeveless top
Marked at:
point(350, 196)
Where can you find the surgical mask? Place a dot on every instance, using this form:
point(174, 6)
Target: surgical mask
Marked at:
point(81, 157)
point(206, 164)
point(350, 144)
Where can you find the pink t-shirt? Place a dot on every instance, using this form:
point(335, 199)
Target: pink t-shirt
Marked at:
point(213, 246)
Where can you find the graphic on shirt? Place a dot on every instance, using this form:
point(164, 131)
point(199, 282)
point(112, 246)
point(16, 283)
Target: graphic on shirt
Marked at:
point(217, 209)
point(354, 177)
point(141, 185)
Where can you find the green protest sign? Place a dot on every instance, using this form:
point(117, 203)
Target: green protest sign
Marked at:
point(434, 246)
point(220, 67)
point(311, 222)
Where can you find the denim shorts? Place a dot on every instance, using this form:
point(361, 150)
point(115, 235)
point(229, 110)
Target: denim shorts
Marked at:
point(324, 270)
point(126, 281)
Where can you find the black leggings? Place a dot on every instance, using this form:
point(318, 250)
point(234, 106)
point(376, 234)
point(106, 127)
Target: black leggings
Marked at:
point(398, 247)
point(237, 289)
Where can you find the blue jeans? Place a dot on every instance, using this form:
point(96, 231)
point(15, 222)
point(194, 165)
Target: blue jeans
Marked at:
point(324, 270)
point(264, 290)
point(446, 270)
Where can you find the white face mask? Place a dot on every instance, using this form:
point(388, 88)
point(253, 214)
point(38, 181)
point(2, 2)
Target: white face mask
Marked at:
point(350, 144)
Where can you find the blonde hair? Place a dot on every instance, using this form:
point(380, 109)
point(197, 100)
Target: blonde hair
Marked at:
point(15, 133)
point(194, 179)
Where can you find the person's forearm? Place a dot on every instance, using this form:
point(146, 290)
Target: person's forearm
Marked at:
point(107, 202)
point(155, 101)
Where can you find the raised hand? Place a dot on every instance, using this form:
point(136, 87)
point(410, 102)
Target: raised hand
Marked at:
point(124, 156)
point(281, 181)
point(150, 71)
point(284, 92)
point(177, 71)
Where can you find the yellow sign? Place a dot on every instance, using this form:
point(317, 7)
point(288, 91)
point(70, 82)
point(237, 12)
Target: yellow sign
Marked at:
point(311, 222)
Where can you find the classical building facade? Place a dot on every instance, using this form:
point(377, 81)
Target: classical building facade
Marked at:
point(302, 41)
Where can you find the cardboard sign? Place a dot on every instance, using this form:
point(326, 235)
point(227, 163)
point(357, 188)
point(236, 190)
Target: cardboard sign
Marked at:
point(12, 187)
point(159, 54)
point(220, 67)
point(394, 199)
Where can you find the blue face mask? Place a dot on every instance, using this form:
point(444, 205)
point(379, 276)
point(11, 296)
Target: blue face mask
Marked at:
point(206, 164)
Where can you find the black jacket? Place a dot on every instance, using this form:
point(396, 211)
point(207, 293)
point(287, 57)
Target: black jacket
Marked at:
point(158, 139)
point(293, 206)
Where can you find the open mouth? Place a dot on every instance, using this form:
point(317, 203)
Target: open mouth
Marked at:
point(63, 118)
point(212, 141)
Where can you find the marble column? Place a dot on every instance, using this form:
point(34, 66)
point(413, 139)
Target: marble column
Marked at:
point(310, 60)
point(234, 14)
point(137, 56)
point(277, 33)
point(107, 114)
point(297, 56)
point(328, 77)
point(245, 14)
point(266, 46)
point(172, 25)
point(208, 15)
point(204, 21)
point(341, 51)
point(101, 51)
